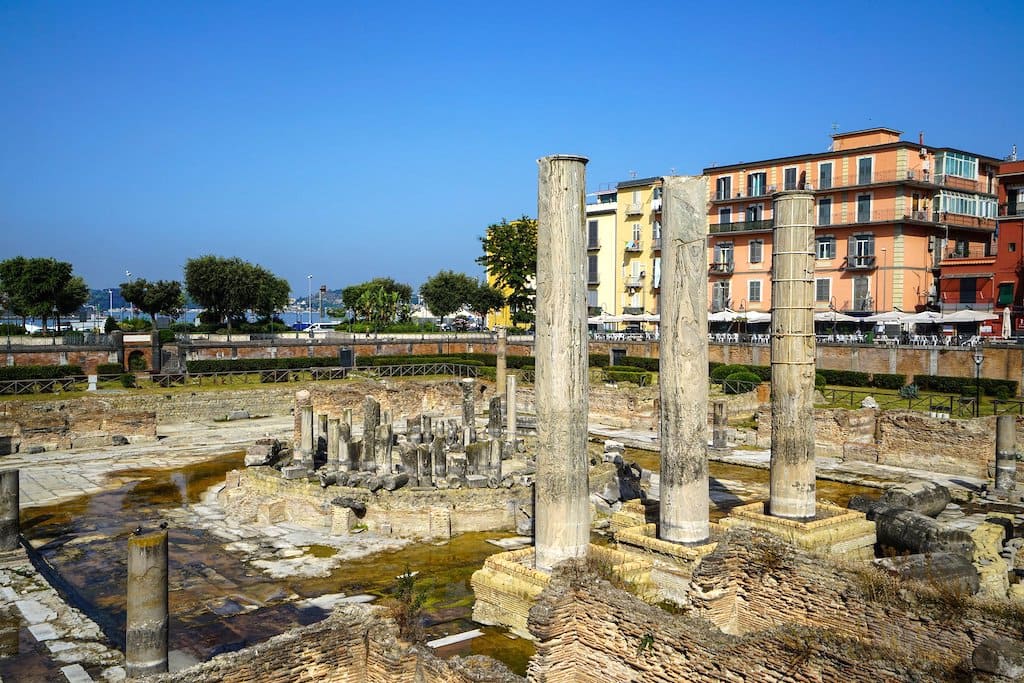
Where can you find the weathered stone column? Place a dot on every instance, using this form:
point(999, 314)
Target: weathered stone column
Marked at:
point(321, 435)
point(494, 418)
point(562, 519)
point(468, 411)
point(10, 510)
point(371, 420)
point(437, 455)
point(1006, 452)
point(511, 416)
point(719, 425)
point(304, 404)
point(501, 374)
point(683, 364)
point(146, 632)
point(333, 441)
point(792, 462)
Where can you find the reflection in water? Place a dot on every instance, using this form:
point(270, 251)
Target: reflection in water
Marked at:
point(220, 604)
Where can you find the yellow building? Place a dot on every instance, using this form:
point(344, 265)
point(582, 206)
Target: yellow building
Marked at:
point(602, 221)
point(637, 262)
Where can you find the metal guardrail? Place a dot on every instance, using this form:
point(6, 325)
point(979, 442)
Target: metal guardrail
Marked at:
point(1002, 406)
point(853, 397)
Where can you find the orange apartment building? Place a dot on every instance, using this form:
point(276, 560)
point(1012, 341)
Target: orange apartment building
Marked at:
point(888, 213)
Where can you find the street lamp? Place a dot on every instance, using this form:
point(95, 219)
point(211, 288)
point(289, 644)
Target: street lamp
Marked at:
point(128, 278)
point(309, 298)
point(110, 308)
point(979, 358)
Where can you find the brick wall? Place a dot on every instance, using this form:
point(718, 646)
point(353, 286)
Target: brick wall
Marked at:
point(353, 645)
point(71, 424)
point(811, 622)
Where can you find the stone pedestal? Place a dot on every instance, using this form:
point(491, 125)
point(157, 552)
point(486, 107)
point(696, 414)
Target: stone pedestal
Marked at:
point(146, 629)
point(834, 531)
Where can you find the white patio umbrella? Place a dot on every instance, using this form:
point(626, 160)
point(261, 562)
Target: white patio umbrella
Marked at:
point(1007, 330)
point(725, 315)
point(632, 317)
point(886, 317)
point(923, 317)
point(756, 316)
point(651, 317)
point(601, 319)
point(834, 317)
point(968, 316)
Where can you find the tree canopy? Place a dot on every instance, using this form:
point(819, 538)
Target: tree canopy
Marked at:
point(483, 299)
point(510, 256)
point(41, 287)
point(227, 287)
point(163, 297)
point(447, 292)
point(351, 295)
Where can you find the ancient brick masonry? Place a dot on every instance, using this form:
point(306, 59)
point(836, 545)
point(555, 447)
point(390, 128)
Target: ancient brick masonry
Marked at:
point(353, 645)
point(799, 618)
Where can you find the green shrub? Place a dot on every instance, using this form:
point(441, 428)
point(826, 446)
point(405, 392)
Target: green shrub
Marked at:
point(764, 372)
point(598, 360)
point(649, 364)
point(489, 373)
point(622, 373)
point(39, 371)
point(819, 381)
point(1001, 392)
point(964, 385)
point(909, 391)
point(850, 378)
point(110, 324)
point(741, 382)
point(166, 336)
point(723, 371)
point(109, 369)
point(136, 325)
point(127, 380)
point(11, 329)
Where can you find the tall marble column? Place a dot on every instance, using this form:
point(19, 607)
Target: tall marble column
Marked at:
point(371, 420)
point(468, 384)
point(147, 622)
point(683, 364)
point(511, 416)
point(562, 519)
point(792, 479)
point(10, 510)
point(501, 373)
point(1006, 452)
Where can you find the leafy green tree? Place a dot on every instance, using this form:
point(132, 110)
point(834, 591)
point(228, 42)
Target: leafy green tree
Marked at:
point(447, 292)
point(163, 297)
point(40, 287)
point(351, 295)
point(228, 287)
point(510, 256)
point(483, 299)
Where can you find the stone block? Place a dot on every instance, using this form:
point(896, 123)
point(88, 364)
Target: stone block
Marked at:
point(476, 481)
point(294, 472)
point(271, 512)
point(342, 521)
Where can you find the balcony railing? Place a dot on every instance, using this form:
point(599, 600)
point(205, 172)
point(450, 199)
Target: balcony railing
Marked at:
point(891, 215)
point(742, 226)
point(656, 244)
point(635, 281)
point(738, 194)
point(967, 251)
point(633, 310)
point(721, 268)
point(859, 263)
point(634, 245)
point(634, 209)
point(1011, 210)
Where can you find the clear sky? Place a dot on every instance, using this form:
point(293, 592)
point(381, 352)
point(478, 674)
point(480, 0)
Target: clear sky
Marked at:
point(353, 140)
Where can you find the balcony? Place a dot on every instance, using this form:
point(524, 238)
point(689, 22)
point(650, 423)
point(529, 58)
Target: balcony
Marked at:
point(742, 226)
point(859, 263)
point(656, 204)
point(1011, 210)
point(721, 268)
point(596, 244)
point(634, 245)
point(633, 310)
point(656, 244)
point(854, 217)
point(720, 197)
point(910, 175)
point(967, 251)
point(634, 209)
point(635, 281)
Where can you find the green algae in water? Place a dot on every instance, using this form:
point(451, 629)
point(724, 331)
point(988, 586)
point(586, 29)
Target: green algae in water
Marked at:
point(321, 551)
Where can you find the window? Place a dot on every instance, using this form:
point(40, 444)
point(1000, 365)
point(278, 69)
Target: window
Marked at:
point(723, 253)
point(754, 291)
point(719, 295)
point(861, 294)
point(789, 178)
point(1005, 294)
point(757, 184)
point(825, 175)
point(636, 232)
point(823, 289)
point(863, 208)
point(656, 193)
point(657, 272)
point(724, 216)
point(756, 248)
point(825, 247)
point(755, 212)
point(969, 290)
point(961, 249)
point(592, 298)
point(825, 211)
point(861, 251)
point(956, 164)
point(592, 276)
point(592, 242)
point(1012, 247)
point(723, 187)
point(864, 165)
point(656, 230)
point(965, 204)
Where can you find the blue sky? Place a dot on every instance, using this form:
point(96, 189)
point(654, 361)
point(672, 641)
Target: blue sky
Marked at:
point(355, 140)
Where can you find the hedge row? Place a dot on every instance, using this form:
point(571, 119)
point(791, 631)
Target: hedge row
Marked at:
point(622, 373)
point(961, 385)
point(39, 371)
point(373, 361)
point(109, 369)
point(251, 364)
point(850, 378)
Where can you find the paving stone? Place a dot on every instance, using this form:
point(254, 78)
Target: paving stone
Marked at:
point(43, 632)
point(76, 674)
point(34, 611)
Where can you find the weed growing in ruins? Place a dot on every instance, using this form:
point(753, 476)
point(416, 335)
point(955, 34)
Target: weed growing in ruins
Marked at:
point(875, 585)
point(407, 609)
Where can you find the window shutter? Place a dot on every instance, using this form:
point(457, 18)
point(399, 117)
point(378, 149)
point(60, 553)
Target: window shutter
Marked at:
point(851, 247)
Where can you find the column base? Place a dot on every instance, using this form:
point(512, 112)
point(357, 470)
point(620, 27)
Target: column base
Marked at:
point(672, 564)
point(833, 531)
point(508, 584)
